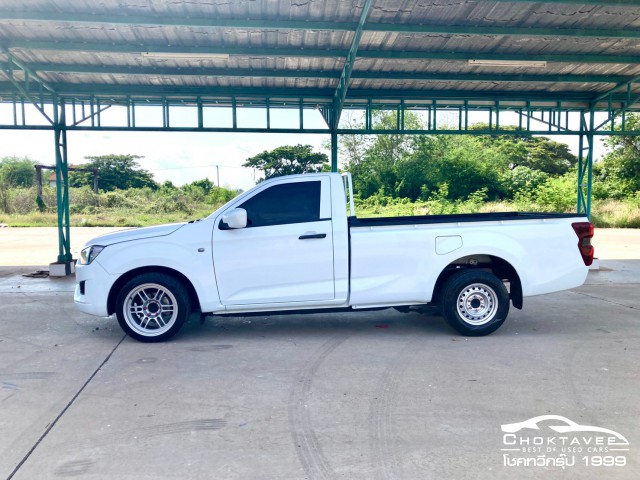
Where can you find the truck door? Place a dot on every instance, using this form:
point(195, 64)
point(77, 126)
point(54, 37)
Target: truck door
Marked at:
point(285, 253)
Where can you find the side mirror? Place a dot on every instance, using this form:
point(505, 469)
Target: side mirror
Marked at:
point(236, 218)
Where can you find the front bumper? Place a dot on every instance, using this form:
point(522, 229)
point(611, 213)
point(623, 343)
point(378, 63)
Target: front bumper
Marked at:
point(93, 285)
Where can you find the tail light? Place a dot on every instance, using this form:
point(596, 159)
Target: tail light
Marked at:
point(584, 231)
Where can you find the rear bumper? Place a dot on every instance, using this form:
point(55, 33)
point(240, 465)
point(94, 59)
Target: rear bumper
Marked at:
point(93, 285)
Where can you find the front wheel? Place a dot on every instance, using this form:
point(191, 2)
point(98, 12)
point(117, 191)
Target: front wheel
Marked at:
point(152, 307)
point(474, 302)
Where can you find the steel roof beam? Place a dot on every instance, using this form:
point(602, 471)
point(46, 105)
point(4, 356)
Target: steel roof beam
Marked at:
point(490, 30)
point(27, 71)
point(320, 97)
point(607, 3)
point(312, 95)
point(77, 46)
point(516, 57)
point(375, 75)
point(22, 87)
point(620, 85)
point(345, 76)
point(110, 19)
point(170, 21)
point(184, 71)
point(298, 52)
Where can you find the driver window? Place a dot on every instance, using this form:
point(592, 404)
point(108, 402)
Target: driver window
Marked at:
point(297, 202)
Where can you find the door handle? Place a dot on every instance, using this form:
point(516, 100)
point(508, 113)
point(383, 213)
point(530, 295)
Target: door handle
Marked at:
point(312, 235)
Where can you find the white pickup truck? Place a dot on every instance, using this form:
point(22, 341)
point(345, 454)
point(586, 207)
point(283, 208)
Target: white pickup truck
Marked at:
point(294, 244)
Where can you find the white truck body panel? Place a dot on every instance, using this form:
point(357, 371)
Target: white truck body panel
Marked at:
point(271, 268)
point(399, 265)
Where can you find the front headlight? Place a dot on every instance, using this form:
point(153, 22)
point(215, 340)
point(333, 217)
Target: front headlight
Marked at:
point(89, 254)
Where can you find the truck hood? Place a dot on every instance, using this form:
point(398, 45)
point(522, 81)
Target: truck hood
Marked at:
point(135, 234)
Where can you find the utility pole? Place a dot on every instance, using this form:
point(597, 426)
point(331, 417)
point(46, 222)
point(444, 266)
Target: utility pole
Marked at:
point(39, 169)
point(218, 174)
point(39, 180)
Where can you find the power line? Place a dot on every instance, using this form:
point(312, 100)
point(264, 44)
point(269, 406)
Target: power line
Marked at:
point(197, 166)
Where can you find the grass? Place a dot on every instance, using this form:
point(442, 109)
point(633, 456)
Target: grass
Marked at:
point(119, 208)
point(616, 214)
point(605, 213)
point(108, 218)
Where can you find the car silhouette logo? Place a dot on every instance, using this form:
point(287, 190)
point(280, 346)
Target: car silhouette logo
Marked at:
point(568, 427)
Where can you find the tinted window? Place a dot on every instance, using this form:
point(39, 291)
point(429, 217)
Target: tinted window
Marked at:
point(287, 203)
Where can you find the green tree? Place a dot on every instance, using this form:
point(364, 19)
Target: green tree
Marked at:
point(522, 179)
point(198, 190)
point(417, 166)
point(288, 160)
point(619, 170)
point(205, 185)
point(352, 148)
point(374, 161)
point(461, 163)
point(114, 172)
point(548, 156)
point(220, 195)
point(536, 153)
point(17, 172)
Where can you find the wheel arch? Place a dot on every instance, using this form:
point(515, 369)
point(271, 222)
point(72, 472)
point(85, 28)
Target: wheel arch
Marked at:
point(125, 277)
point(498, 266)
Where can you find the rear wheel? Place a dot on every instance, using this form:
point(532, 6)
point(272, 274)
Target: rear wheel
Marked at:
point(152, 307)
point(474, 302)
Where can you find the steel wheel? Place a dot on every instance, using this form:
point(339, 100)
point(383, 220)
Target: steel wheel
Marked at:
point(474, 302)
point(477, 304)
point(152, 307)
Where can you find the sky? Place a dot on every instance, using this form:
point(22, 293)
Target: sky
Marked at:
point(176, 156)
point(184, 157)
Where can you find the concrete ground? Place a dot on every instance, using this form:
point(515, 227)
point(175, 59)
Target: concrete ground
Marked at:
point(378, 395)
point(39, 245)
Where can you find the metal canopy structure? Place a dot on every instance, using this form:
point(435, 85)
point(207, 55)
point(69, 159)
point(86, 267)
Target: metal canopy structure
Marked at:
point(559, 65)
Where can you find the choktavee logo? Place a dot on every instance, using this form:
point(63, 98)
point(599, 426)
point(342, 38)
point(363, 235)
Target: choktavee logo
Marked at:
point(556, 441)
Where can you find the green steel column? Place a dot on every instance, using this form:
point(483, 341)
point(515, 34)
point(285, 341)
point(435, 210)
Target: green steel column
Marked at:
point(581, 148)
point(590, 138)
point(585, 165)
point(334, 150)
point(62, 182)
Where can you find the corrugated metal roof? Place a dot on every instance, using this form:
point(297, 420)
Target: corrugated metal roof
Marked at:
point(300, 46)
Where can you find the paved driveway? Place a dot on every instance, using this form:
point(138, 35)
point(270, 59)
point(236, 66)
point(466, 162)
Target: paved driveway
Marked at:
point(355, 396)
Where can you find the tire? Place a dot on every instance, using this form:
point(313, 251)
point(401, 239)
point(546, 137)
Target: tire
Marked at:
point(152, 307)
point(474, 302)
